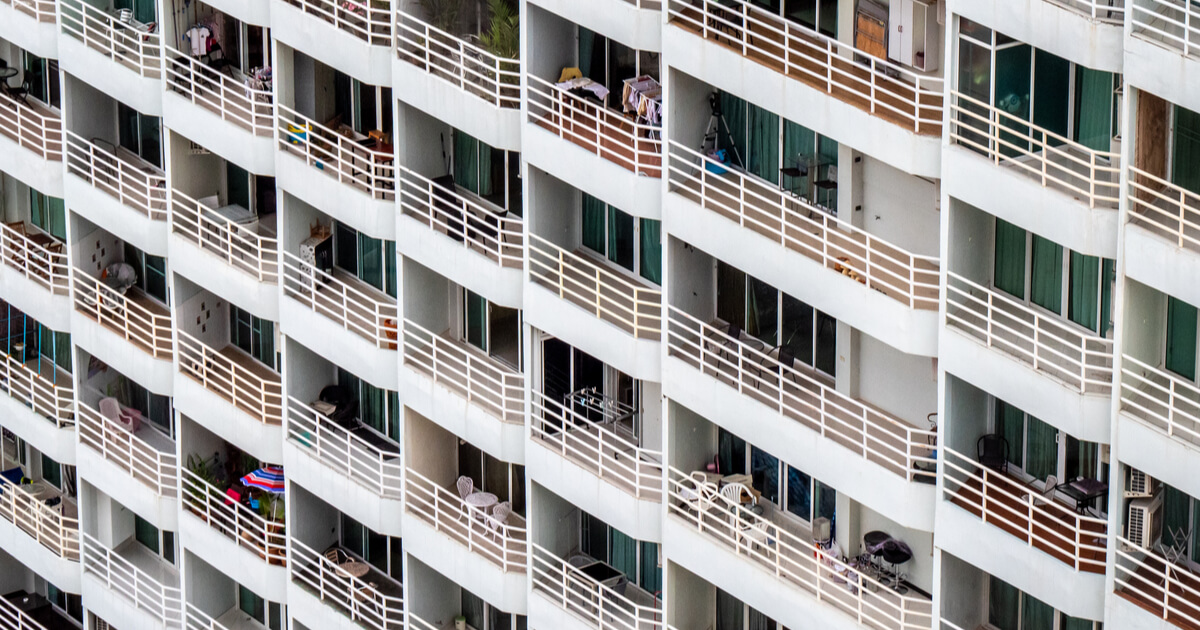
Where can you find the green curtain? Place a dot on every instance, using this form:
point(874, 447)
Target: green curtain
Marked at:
point(476, 321)
point(734, 110)
point(1084, 291)
point(587, 41)
point(651, 250)
point(1036, 614)
point(389, 267)
point(731, 453)
point(393, 411)
point(827, 154)
point(1046, 274)
point(1010, 423)
point(48, 213)
point(620, 238)
point(1185, 159)
point(1009, 272)
point(1051, 92)
point(466, 161)
point(146, 533)
point(729, 612)
point(1042, 450)
point(799, 147)
point(62, 351)
point(762, 310)
point(1093, 108)
point(1109, 275)
point(1181, 338)
point(1177, 507)
point(650, 576)
point(762, 151)
point(372, 407)
point(485, 169)
point(1013, 66)
point(1004, 603)
point(472, 609)
point(237, 185)
point(1075, 623)
point(370, 260)
point(594, 220)
point(263, 342)
point(623, 551)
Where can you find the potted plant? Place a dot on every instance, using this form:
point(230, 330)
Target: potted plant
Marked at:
point(503, 40)
point(205, 469)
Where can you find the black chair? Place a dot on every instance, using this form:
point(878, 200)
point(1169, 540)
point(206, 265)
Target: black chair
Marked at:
point(445, 201)
point(734, 331)
point(992, 451)
point(20, 93)
point(345, 411)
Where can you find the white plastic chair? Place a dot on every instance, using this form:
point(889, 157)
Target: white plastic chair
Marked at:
point(733, 492)
point(1047, 495)
point(465, 486)
point(497, 520)
point(698, 496)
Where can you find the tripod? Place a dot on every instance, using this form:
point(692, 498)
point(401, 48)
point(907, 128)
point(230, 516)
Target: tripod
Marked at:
point(716, 121)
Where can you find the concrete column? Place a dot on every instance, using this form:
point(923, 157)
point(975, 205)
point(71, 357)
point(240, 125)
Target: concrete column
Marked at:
point(845, 23)
point(847, 359)
point(850, 185)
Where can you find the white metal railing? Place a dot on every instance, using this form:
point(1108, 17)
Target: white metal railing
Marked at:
point(1055, 161)
point(1106, 11)
point(138, 186)
point(507, 546)
point(47, 525)
point(1166, 209)
point(596, 128)
point(138, 47)
point(13, 618)
point(794, 560)
point(799, 394)
point(260, 396)
point(264, 538)
point(37, 129)
point(368, 20)
point(119, 313)
point(946, 625)
point(122, 577)
point(336, 154)
point(891, 91)
point(250, 108)
point(55, 401)
point(794, 223)
point(44, 264)
point(368, 313)
point(346, 453)
point(1161, 399)
point(485, 382)
point(127, 451)
point(1040, 339)
point(43, 11)
point(1173, 23)
point(1163, 588)
point(600, 606)
point(649, 5)
point(1021, 511)
point(199, 620)
point(239, 246)
point(633, 306)
point(472, 69)
point(598, 447)
point(359, 599)
point(479, 226)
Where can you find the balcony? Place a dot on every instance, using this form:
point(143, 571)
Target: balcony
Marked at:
point(348, 166)
point(55, 528)
point(146, 455)
point(802, 396)
point(139, 580)
point(36, 386)
point(1160, 415)
point(1071, 356)
point(354, 36)
point(360, 455)
point(38, 130)
point(636, 23)
point(263, 538)
point(773, 217)
point(596, 604)
point(1076, 540)
point(22, 610)
point(440, 66)
point(596, 129)
point(903, 99)
point(112, 54)
point(1164, 47)
point(481, 241)
point(349, 302)
point(375, 601)
point(132, 316)
point(484, 382)
point(600, 448)
point(32, 25)
point(233, 112)
point(1167, 590)
point(1164, 245)
point(506, 547)
point(234, 619)
point(235, 377)
point(36, 256)
point(632, 305)
point(123, 180)
point(787, 553)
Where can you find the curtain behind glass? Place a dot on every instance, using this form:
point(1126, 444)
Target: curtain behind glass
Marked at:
point(389, 267)
point(1107, 278)
point(1010, 423)
point(1046, 274)
point(372, 407)
point(594, 218)
point(472, 609)
point(762, 310)
point(466, 161)
point(826, 502)
point(764, 474)
point(759, 621)
point(729, 611)
point(734, 110)
point(797, 329)
point(370, 257)
point(1186, 153)
point(620, 238)
point(1042, 449)
point(975, 81)
point(345, 242)
point(476, 321)
point(1084, 291)
point(731, 453)
point(1012, 96)
point(799, 493)
point(1194, 552)
point(1036, 614)
point(1093, 108)
point(651, 250)
point(731, 294)
point(1051, 93)
point(826, 344)
point(650, 575)
point(1003, 604)
point(587, 41)
point(485, 169)
point(1181, 338)
point(762, 151)
point(623, 553)
point(1009, 272)
point(1177, 508)
point(1075, 623)
point(799, 148)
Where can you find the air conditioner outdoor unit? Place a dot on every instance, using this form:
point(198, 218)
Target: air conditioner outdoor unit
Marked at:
point(1145, 521)
point(1141, 485)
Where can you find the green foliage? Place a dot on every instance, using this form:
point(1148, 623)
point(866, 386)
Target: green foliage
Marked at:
point(503, 37)
point(442, 14)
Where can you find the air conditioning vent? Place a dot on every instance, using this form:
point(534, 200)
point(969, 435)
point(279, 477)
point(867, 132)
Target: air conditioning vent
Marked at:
point(1145, 521)
point(1141, 485)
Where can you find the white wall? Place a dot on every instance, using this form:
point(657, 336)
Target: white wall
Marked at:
point(900, 208)
point(207, 588)
point(427, 297)
point(902, 384)
point(429, 449)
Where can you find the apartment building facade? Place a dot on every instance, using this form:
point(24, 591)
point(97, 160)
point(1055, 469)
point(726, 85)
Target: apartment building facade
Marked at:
point(603, 314)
